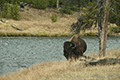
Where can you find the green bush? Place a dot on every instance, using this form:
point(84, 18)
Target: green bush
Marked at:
point(52, 3)
point(11, 12)
point(5, 11)
point(118, 20)
point(40, 4)
point(114, 19)
point(65, 10)
point(114, 29)
point(54, 17)
point(15, 12)
point(74, 8)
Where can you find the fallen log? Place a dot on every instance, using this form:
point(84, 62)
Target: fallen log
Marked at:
point(105, 61)
point(16, 28)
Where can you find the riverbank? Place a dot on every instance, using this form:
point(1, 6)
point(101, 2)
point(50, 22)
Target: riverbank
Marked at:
point(65, 70)
point(36, 22)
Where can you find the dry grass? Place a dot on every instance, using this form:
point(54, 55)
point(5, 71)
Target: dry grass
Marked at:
point(111, 53)
point(38, 22)
point(65, 70)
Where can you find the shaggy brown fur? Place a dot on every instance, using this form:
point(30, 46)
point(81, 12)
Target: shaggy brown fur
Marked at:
point(75, 47)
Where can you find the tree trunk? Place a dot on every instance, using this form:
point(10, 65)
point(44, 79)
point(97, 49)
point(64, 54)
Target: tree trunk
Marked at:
point(99, 21)
point(104, 29)
point(57, 6)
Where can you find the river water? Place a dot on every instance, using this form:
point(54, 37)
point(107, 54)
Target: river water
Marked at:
point(22, 52)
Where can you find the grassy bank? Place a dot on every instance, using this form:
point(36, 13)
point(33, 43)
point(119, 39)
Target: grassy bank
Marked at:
point(37, 22)
point(65, 70)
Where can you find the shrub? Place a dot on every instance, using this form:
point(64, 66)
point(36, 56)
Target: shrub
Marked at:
point(11, 12)
point(65, 10)
point(15, 12)
point(54, 17)
point(40, 4)
point(118, 20)
point(52, 3)
point(114, 29)
point(5, 11)
point(74, 8)
point(112, 18)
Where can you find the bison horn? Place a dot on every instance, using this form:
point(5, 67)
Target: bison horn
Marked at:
point(74, 46)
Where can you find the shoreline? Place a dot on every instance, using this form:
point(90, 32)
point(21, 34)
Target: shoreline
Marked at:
point(54, 35)
point(32, 24)
point(56, 69)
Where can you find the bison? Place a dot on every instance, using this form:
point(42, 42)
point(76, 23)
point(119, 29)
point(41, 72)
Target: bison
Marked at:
point(74, 48)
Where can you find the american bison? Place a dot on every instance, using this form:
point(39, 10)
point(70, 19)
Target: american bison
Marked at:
point(74, 48)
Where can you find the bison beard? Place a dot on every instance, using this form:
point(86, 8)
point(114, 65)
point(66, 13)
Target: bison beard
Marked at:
point(74, 48)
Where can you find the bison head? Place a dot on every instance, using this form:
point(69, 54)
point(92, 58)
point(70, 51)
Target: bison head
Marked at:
point(69, 48)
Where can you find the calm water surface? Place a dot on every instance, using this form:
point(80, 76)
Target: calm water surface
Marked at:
point(21, 52)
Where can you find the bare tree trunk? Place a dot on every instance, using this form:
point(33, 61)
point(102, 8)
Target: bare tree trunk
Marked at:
point(104, 29)
point(57, 6)
point(99, 5)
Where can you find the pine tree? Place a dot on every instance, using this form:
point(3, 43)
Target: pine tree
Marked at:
point(15, 12)
point(5, 11)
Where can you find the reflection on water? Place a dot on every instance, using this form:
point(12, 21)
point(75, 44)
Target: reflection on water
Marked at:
point(22, 52)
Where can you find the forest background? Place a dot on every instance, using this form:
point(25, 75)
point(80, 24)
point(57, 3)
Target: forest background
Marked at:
point(63, 7)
